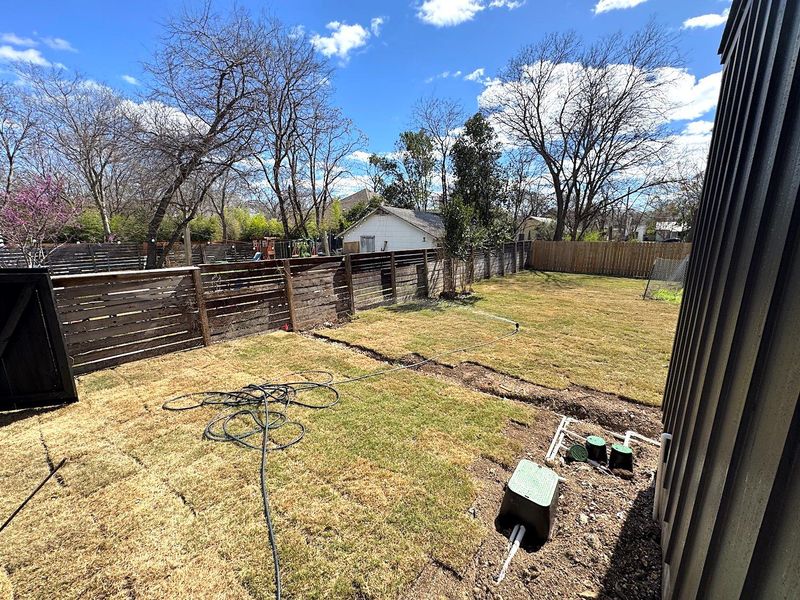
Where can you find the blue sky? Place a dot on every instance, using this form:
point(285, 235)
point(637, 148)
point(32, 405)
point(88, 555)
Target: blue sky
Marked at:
point(386, 54)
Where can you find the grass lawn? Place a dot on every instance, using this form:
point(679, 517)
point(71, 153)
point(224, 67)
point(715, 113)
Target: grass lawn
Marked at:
point(591, 331)
point(148, 509)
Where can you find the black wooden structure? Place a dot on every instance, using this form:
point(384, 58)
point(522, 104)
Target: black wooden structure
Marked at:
point(34, 369)
point(730, 488)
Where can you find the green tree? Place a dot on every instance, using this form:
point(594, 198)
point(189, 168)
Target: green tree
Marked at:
point(476, 165)
point(206, 228)
point(406, 182)
point(87, 227)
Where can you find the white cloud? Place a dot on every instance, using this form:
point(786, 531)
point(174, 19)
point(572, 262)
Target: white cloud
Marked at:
point(707, 21)
point(130, 79)
point(57, 43)
point(509, 4)
point(606, 5)
point(30, 55)
point(360, 156)
point(444, 75)
point(16, 40)
point(447, 13)
point(342, 41)
point(375, 25)
point(694, 97)
point(476, 75)
point(699, 127)
point(690, 147)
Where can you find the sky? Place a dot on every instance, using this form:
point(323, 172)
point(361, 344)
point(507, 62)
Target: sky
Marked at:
point(386, 54)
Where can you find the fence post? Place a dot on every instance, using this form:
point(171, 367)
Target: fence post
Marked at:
point(502, 260)
point(348, 275)
point(201, 306)
point(472, 266)
point(287, 280)
point(393, 277)
point(487, 262)
point(531, 258)
point(425, 272)
point(514, 258)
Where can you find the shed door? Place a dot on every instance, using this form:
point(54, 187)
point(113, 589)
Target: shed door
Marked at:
point(367, 243)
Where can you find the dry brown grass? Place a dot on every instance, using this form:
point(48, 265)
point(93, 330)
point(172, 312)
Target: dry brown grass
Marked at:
point(148, 509)
point(591, 331)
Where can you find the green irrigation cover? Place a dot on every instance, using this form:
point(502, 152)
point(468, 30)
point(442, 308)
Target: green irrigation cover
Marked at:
point(533, 482)
point(578, 452)
point(621, 449)
point(595, 440)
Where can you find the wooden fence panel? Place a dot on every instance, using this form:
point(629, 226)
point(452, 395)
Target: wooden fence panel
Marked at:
point(372, 279)
point(113, 318)
point(621, 259)
point(320, 291)
point(244, 298)
point(409, 275)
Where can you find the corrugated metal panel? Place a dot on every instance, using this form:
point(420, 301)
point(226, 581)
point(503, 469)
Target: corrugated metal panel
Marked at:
point(731, 401)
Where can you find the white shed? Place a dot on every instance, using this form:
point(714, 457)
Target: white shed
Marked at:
point(388, 228)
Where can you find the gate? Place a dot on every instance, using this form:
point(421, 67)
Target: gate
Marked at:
point(34, 370)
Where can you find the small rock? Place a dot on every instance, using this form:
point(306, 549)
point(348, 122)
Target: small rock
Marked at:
point(589, 594)
point(583, 518)
point(593, 541)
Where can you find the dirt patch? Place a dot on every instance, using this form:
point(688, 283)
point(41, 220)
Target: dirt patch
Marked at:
point(604, 544)
point(608, 410)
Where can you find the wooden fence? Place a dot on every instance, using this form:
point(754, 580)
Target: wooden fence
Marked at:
point(117, 317)
point(70, 259)
point(622, 259)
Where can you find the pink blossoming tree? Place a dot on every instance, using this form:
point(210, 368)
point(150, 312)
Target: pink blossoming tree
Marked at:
point(34, 213)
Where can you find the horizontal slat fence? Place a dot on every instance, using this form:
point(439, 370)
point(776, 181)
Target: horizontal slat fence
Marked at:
point(112, 318)
point(71, 259)
point(82, 258)
point(621, 259)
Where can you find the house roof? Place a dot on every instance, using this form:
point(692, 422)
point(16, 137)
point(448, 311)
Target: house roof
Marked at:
point(428, 222)
point(361, 196)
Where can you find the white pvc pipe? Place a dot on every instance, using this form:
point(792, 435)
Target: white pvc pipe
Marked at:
point(512, 536)
point(553, 443)
point(665, 437)
point(514, 547)
point(638, 436)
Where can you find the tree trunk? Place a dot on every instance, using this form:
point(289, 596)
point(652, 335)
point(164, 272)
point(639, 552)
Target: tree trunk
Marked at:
point(443, 202)
point(187, 243)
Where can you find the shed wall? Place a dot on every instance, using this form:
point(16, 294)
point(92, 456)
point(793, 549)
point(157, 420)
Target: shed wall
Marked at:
point(395, 233)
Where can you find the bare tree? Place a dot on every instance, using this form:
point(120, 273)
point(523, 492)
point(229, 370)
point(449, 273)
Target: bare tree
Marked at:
point(291, 77)
point(82, 122)
point(523, 180)
point(440, 118)
point(329, 138)
point(203, 113)
point(594, 115)
point(17, 128)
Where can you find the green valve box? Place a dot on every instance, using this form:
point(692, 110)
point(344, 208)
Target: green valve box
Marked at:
point(530, 500)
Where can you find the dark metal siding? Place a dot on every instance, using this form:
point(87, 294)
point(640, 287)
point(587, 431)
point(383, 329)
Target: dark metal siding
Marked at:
point(729, 509)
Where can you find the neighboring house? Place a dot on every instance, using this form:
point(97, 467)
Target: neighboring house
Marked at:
point(530, 228)
point(360, 197)
point(388, 228)
point(666, 230)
